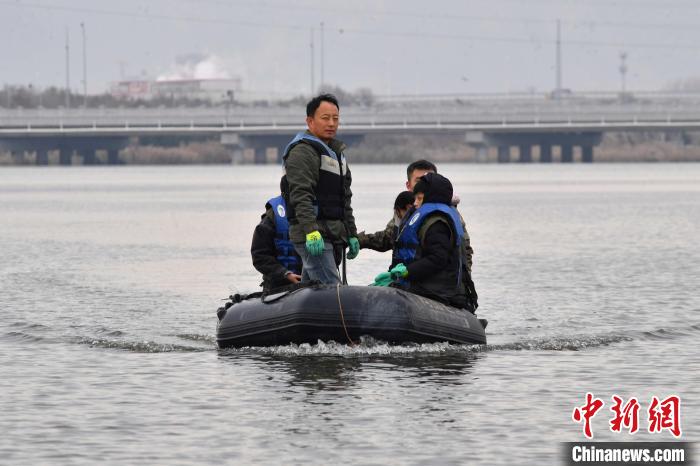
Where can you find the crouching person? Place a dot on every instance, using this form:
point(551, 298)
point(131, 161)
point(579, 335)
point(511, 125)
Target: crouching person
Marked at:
point(428, 257)
point(273, 253)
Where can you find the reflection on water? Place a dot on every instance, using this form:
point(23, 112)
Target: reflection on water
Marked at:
point(316, 368)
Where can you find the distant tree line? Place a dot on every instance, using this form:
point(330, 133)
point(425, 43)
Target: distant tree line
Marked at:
point(54, 97)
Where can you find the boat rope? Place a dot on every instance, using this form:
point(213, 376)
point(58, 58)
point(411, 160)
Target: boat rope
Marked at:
point(342, 317)
point(345, 274)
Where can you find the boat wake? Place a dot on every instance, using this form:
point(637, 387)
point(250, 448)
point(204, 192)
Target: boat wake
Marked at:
point(367, 346)
point(138, 346)
point(371, 347)
point(211, 339)
point(571, 343)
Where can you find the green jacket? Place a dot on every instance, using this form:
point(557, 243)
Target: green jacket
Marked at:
point(302, 169)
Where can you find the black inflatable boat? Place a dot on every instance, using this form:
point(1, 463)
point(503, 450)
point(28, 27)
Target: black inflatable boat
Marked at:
point(343, 314)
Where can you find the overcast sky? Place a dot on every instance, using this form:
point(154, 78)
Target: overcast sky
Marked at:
point(390, 46)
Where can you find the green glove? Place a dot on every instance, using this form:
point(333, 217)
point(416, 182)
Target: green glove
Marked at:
point(354, 245)
point(314, 243)
point(399, 271)
point(383, 279)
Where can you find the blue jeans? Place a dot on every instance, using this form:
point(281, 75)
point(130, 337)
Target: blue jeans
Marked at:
point(321, 268)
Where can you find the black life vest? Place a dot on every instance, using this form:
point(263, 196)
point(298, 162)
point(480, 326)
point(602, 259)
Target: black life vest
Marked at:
point(329, 202)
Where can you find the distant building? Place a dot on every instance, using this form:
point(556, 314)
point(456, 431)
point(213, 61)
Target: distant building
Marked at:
point(212, 90)
point(131, 90)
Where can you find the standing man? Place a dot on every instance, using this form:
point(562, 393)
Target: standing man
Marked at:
point(321, 223)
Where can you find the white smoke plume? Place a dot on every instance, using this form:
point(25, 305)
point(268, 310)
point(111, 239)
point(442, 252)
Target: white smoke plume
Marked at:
point(196, 66)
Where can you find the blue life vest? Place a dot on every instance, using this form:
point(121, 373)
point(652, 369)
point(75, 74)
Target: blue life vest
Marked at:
point(408, 241)
point(286, 255)
point(329, 202)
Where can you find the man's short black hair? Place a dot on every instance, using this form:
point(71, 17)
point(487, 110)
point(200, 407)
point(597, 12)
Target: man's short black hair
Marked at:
point(314, 103)
point(419, 165)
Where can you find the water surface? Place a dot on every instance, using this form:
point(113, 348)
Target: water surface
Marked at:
point(110, 278)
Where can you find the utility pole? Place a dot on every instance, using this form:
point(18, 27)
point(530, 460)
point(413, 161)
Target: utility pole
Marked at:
point(82, 26)
point(623, 72)
point(322, 57)
point(558, 59)
point(67, 70)
point(311, 46)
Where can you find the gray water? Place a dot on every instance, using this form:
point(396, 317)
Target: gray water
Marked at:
point(110, 278)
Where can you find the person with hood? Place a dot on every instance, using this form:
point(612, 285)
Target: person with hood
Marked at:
point(427, 257)
point(273, 253)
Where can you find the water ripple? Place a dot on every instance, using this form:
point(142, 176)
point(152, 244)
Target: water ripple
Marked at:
point(22, 337)
point(197, 337)
point(573, 343)
point(137, 346)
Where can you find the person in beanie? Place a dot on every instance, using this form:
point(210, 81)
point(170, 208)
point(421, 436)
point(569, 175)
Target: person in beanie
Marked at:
point(273, 253)
point(428, 257)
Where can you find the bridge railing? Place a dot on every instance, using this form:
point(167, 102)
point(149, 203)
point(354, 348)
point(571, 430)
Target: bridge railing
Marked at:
point(462, 112)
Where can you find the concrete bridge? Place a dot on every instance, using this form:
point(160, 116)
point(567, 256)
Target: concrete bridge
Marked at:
point(485, 121)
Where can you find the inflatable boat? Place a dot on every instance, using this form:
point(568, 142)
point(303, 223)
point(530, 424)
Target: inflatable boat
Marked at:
point(343, 314)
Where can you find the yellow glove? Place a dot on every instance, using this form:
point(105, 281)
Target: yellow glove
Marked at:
point(314, 243)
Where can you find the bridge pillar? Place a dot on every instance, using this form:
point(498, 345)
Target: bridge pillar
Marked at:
point(113, 157)
point(42, 157)
point(567, 153)
point(65, 156)
point(482, 153)
point(545, 153)
point(525, 141)
point(260, 155)
point(237, 156)
point(587, 154)
point(525, 153)
point(272, 154)
point(503, 154)
point(89, 157)
point(477, 141)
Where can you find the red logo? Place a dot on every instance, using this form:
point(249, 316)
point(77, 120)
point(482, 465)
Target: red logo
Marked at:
point(665, 414)
point(586, 412)
point(662, 414)
point(625, 416)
